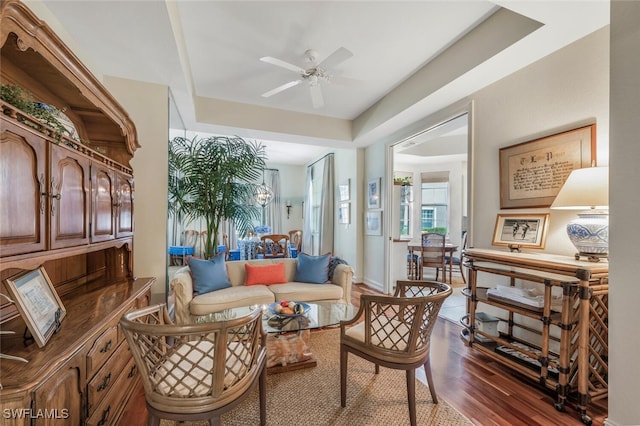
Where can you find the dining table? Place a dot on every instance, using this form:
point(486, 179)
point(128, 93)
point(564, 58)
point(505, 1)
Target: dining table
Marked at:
point(415, 273)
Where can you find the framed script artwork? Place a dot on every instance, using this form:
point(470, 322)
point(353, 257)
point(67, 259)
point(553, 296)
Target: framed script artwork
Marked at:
point(532, 173)
point(373, 193)
point(37, 302)
point(521, 230)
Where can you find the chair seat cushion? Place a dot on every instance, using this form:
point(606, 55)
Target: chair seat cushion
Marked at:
point(394, 335)
point(227, 298)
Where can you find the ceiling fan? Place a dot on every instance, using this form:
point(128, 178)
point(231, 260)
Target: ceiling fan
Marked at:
point(314, 75)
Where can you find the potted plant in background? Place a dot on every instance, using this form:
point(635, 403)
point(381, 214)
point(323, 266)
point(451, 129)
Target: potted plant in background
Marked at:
point(212, 179)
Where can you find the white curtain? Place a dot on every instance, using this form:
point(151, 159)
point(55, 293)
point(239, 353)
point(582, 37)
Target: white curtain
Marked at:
point(319, 206)
point(274, 208)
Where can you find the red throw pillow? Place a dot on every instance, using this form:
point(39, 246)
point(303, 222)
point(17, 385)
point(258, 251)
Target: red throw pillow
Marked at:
point(264, 274)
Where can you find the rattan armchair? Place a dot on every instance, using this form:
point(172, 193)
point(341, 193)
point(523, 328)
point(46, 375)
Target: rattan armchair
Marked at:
point(197, 371)
point(395, 332)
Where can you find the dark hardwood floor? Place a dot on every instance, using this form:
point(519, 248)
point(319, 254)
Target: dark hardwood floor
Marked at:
point(484, 391)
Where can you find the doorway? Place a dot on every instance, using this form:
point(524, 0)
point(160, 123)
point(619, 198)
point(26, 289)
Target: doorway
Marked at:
point(433, 168)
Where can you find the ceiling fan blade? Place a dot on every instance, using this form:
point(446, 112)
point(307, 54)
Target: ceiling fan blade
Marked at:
point(283, 64)
point(316, 96)
point(340, 55)
point(281, 88)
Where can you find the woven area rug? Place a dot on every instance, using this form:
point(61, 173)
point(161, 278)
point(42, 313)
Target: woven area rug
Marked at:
point(312, 396)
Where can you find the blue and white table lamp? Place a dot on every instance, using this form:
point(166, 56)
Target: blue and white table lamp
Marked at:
point(587, 189)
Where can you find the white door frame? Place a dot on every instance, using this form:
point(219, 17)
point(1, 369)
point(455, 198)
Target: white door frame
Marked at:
point(426, 124)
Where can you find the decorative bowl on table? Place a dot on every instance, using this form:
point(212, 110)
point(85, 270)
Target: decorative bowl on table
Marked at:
point(288, 308)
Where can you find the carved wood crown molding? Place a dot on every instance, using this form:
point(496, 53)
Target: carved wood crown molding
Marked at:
point(33, 33)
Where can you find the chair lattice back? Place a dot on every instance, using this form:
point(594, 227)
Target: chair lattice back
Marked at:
point(275, 245)
point(402, 324)
point(194, 366)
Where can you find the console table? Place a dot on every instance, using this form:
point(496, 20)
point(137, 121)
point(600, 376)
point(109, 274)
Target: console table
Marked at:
point(564, 345)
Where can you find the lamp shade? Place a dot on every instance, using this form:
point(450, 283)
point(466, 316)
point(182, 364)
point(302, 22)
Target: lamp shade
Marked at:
point(588, 190)
point(584, 189)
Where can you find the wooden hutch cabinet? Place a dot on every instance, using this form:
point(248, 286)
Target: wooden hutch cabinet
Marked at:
point(66, 204)
point(556, 334)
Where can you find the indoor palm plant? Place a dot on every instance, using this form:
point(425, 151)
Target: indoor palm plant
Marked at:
point(212, 179)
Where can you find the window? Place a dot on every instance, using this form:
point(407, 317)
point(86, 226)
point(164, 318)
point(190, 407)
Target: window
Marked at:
point(435, 207)
point(406, 205)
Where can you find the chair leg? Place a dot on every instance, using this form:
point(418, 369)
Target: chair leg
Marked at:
point(152, 419)
point(262, 390)
point(214, 421)
point(432, 388)
point(377, 370)
point(343, 376)
point(411, 396)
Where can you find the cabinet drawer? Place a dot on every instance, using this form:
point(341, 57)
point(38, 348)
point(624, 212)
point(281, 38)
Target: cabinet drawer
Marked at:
point(104, 380)
point(111, 407)
point(101, 350)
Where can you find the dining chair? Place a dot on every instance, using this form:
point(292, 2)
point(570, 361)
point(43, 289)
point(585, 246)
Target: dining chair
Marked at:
point(274, 246)
point(196, 371)
point(432, 254)
point(295, 236)
point(225, 242)
point(189, 238)
point(457, 260)
point(394, 332)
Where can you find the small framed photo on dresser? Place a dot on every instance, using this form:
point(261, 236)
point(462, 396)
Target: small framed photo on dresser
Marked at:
point(38, 303)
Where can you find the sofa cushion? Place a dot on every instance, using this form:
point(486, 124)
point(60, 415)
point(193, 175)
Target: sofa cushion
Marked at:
point(209, 275)
point(305, 292)
point(313, 269)
point(264, 274)
point(231, 297)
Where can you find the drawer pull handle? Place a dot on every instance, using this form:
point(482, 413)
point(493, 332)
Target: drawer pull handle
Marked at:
point(106, 348)
point(132, 372)
point(105, 416)
point(105, 382)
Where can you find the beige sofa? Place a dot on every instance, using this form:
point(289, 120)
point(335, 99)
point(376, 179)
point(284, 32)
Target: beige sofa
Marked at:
point(188, 306)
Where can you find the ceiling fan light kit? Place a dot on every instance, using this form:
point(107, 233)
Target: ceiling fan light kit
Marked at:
point(314, 75)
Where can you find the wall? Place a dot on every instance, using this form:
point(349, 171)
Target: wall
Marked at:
point(561, 91)
point(374, 245)
point(624, 316)
point(148, 107)
point(347, 237)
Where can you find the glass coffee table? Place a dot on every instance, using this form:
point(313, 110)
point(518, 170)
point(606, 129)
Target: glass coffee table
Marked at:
point(282, 340)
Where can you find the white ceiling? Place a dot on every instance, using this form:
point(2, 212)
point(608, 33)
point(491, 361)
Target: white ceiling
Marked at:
point(208, 53)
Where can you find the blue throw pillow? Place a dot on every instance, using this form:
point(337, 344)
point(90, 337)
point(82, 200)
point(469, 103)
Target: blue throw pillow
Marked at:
point(209, 275)
point(313, 269)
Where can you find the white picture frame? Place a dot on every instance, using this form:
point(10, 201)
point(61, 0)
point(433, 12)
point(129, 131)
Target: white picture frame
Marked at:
point(344, 213)
point(373, 223)
point(373, 193)
point(344, 190)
